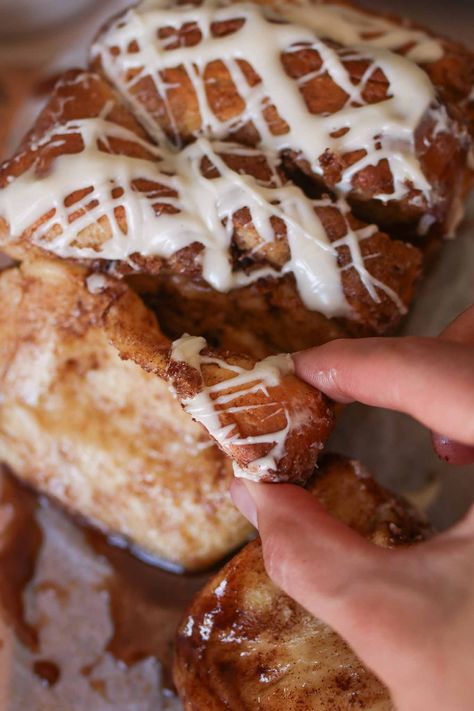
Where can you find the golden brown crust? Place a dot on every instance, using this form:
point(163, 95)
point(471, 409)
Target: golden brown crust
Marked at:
point(452, 74)
point(243, 639)
point(349, 492)
point(309, 416)
point(267, 316)
point(288, 404)
point(442, 154)
point(54, 301)
point(100, 435)
point(81, 95)
point(178, 115)
point(77, 95)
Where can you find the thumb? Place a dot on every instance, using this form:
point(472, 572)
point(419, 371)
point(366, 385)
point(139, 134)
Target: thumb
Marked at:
point(308, 553)
point(375, 599)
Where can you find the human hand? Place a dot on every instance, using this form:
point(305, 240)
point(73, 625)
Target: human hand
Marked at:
point(407, 613)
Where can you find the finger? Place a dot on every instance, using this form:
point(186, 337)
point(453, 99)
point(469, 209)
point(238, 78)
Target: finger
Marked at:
point(430, 379)
point(312, 556)
point(461, 330)
point(451, 451)
point(363, 592)
point(396, 609)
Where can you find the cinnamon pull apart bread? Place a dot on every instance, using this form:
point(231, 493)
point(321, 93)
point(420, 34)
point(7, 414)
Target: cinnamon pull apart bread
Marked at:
point(342, 95)
point(223, 219)
point(243, 639)
point(111, 442)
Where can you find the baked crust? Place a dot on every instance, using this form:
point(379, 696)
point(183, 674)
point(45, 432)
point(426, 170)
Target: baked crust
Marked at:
point(99, 435)
point(392, 267)
point(452, 73)
point(243, 639)
point(103, 436)
point(251, 409)
point(172, 102)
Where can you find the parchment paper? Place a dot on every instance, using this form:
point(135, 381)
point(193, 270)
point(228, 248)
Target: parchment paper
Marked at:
point(74, 629)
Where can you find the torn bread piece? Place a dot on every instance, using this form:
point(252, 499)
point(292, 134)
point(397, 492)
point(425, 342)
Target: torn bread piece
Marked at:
point(271, 424)
point(244, 639)
point(99, 435)
point(88, 185)
point(267, 420)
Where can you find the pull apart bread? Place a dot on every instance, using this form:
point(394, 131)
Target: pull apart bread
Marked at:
point(243, 639)
point(110, 441)
point(218, 223)
point(373, 109)
point(263, 177)
point(224, 170)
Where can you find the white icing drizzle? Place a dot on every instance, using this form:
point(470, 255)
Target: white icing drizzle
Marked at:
point(204, 209)
point(96, 283)
point(350, 26)
point(205, 407)
point(384, 130)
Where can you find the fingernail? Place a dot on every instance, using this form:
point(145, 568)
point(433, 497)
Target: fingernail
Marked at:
point(243, 501)
point(451, 451)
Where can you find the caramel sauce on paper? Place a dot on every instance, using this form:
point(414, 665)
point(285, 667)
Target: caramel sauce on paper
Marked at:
point(146, 605)
point(146, 602)
point(47, 671)
point(21, 539)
